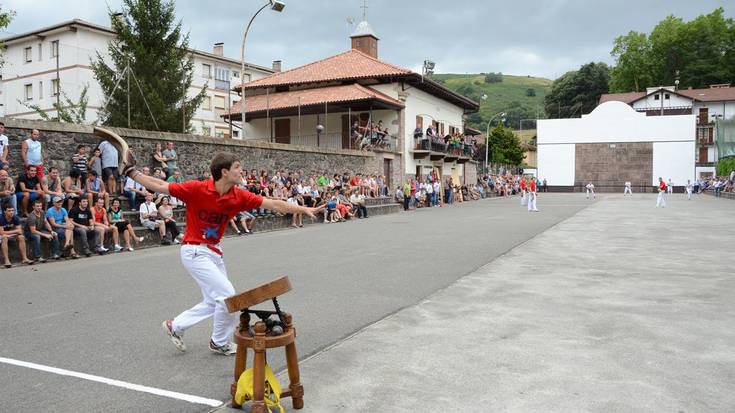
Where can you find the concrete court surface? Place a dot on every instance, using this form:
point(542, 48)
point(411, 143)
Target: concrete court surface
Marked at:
point(621, 308)
point(101, 316)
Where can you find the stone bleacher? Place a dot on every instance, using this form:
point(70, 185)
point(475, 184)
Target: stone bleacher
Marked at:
point(375, 207)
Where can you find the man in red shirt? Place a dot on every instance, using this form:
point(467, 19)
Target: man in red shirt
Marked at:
point(210, 204)
point(524, 197)
point(661, 199)
point(532, 195)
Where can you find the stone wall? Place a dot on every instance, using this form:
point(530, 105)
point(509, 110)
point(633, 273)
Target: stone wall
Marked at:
point(195, 152)
point(608, 164)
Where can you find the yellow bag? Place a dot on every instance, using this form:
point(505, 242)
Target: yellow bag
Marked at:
point(272, 391)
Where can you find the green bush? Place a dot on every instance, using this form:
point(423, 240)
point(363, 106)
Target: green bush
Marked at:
point(494, 77)
point(725, 166)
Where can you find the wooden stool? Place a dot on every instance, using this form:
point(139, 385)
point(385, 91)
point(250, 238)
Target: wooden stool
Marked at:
point(260, 342)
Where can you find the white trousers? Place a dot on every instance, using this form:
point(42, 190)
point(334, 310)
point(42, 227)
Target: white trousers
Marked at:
point(590, 192)
point(689, 193)
point(627, 191)
point(524, 197)
point(532, 202)
point(670, 189)
point(661, 200)
point(207, 268)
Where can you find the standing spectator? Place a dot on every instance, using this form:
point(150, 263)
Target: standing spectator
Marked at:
point(149, 218)
point(134, 191)
point(171, 159)
point(10, 230)
point(7, 190)
point(544, 186)
point(58, 218)
point(37, 227)
point(166, 213)
point(79, 161)
point(83, 221)
point(28, 189)
point(73, 188)
point(110, 174)
point(30, 152)
point(159, 161)
point(95, 189)
point(115, 217)
point(103, 226)
point(4, 164)
point(94, 163)
point(51, 185)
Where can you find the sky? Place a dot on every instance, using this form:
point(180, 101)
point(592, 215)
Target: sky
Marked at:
point(544, 38)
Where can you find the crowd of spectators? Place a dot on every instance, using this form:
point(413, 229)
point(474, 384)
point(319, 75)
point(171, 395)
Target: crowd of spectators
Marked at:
point(454, 143)
point(717, 184)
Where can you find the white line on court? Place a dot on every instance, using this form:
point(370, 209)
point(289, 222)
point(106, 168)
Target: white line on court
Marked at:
point(117, 383)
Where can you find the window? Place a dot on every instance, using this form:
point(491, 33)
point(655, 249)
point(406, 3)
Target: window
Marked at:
point(54, 87)
point(206, 131)
point(657, 97)
point(55, 48)
point(222, 74)
point(219, 102)
point(235, 134)
point(236, 74)
point(40, 90)
point(29, 91)
point(667, 96)
point(40, 52)
point(206, 71)
point(207, 103)
point(28, 54)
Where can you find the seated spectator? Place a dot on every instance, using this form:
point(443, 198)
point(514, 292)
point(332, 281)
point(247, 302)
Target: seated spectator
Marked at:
point(10, 230)
point(115, 217)
point(37, 228)
point(246, 220)
point(166, 213)
point(344, 209)
point(58, 218)
point(95, 189)
point(28, 189)
point(158, 174)
point(297, 220)
point(330, 213)
point(103, 225)
point(51, 185)
point(176, 177)
point(83, 221)
point(134, 192)
point(358, 202)
point(7, 190)
point(205, 175)
point(73, 188)
point(79, 162)
point(149, 218)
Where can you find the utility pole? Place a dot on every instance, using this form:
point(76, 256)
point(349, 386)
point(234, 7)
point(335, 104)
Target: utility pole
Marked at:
point(58, 82)
point(183, 98)
point(128, 78)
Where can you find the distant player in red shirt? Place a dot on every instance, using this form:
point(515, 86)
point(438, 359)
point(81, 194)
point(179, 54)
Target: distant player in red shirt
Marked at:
point(210, 205)
point(524, 194)
point(532, 195)
point(661, 199)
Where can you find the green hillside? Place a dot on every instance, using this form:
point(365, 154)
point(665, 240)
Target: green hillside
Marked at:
point(510, 95)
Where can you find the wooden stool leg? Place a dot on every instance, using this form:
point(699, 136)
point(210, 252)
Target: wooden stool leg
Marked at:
point(292, 362)
point(241, 357)
point(258, 405)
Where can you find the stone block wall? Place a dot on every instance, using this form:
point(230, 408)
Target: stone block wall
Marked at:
point(195, 152)
point(613, 163)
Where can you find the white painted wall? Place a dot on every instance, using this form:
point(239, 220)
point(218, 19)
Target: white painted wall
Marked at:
point(726, 108)
point(673, 160)
point(556, 164)
point(674, 100)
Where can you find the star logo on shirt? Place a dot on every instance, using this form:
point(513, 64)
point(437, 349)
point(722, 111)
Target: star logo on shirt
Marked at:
point(210, 232)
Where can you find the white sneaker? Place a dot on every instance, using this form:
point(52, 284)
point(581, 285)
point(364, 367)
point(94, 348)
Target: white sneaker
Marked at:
point(102, 248)
point(140, 239)
point(117, 248)
point(176, 241)
point(177, 339)
point(225, 350)
point(130, 249)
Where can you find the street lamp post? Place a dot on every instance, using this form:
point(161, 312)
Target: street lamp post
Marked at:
point(487, 135)
point(276, 5)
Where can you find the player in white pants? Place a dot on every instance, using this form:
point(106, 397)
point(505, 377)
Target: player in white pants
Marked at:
point(661, 199)
point(590, 190)
point(670, 187)
point(524, 192)
point(628, 189)
point(689, 189)
point(210, 205)
point(532, 195)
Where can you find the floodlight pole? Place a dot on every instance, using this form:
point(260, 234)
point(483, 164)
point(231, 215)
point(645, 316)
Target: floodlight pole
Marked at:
point(487, 136)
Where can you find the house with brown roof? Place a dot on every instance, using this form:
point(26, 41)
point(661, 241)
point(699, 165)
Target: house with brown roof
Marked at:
point(331, 103)
point(716, 103)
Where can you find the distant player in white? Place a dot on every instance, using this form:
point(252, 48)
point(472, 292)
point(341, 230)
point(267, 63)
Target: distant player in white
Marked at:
point(532, 196)
point(628, 189)
point(689, 189)
point(661, 199)
point(670, 187)
point(590, 190)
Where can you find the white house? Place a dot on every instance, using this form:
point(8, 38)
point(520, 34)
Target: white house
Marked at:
point(615, 144)
point(708, 105)
point(37, 63)
point(356, 86)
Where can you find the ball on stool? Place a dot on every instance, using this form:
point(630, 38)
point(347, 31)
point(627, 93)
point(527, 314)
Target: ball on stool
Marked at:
point(276, 330)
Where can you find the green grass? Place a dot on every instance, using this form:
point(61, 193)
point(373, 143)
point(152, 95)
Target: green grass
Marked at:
point(509, 96)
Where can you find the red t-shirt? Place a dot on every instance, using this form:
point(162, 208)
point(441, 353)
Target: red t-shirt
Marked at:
point(523, 185)
point(532, 185)
point(99, 214)
point(662, 186)
point(208, 212)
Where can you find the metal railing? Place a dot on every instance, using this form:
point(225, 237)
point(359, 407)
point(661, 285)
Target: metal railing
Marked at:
point(439, 146)
point(335, 141)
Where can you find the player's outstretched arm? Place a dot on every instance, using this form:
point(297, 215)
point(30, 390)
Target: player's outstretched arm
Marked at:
point(286, 208)
point(150, 183)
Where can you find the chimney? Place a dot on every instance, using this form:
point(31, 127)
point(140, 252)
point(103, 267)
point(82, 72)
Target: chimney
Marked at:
point(365, 40)
point(219, 49)
point(116, 17)
point(276, 66)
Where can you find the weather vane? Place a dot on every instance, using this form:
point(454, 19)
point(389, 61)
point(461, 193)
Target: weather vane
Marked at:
point(364, 8)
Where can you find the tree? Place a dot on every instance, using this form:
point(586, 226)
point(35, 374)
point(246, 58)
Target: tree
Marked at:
point(151, 42)
point(577, 92)
point(530, 92)
point(632, 71)
point(505, 146)
point(5, 18)
point(69, 112)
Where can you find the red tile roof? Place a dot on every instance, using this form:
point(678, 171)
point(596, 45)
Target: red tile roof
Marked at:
point(309, 97)
point(351, 64)
point(703, 95)
point(622, 97)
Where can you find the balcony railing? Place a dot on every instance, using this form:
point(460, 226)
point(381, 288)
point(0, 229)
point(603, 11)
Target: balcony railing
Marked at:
point(335, 141)
point(439, 146)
